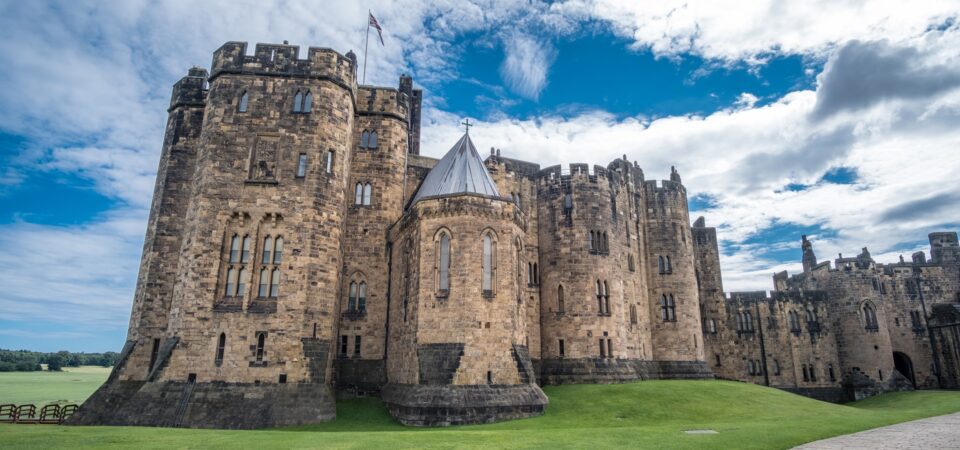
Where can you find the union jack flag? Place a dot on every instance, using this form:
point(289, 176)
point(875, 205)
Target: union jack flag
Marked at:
point(373, 23)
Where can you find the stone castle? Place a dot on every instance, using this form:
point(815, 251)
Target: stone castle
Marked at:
point(299, 246)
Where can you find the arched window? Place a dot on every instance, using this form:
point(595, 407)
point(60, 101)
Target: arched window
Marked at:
point(600, 297)
point(671, 309)
point(358, 194)
point(362, 297)
point(606, 243)
point(245, 253)
point(536, 274)
point(443, 263)
point(661, 266)
point(669, 265)
point(592, 245)
point(329, 163)
point(297, 101)
point(235, 249)
point(373, 140)
point(811, 316)
point(277, 250)
point(231, 287)
point(221, 344)
point(517, 199)
point(631, 266)
point(794, 321)
point(487, 265)
point(364, 139)
point(267, 249)
point(352, 298)
point(264, 283)
point(244, 100)
point(748, 321)
point(869, 317)
point(307, 102)
point(275, 283)
point(367, 191)
point(560, 298)
point(606, 298)
point(261, 342)
point(241, 282)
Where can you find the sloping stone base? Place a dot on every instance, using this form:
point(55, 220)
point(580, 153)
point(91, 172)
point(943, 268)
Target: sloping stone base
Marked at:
point(606, 370)
point(207, 405)
point(421, 405)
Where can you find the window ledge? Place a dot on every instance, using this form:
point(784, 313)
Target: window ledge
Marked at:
point(264, 182)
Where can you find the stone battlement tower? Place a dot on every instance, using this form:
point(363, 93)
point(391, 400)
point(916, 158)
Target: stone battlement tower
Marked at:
point(298, 244)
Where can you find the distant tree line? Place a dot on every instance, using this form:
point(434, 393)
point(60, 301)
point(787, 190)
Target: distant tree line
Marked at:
point(27, 361)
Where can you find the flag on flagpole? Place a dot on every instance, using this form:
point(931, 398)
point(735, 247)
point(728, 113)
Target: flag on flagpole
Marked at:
point(373, 23)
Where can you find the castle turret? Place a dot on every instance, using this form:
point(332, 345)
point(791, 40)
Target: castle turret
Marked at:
point(809, 258)
point(458, 351)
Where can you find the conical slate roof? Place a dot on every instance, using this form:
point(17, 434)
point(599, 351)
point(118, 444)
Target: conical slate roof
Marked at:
point(459, 171)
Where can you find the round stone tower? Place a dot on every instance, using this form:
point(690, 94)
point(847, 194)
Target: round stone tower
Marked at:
point(457, 351)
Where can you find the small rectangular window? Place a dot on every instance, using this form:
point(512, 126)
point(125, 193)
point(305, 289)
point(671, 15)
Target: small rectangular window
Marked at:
point(283, 378)
point(343, 345)
point(561, 348)
point(302, 166)
point(329, 167)
point(356, 346)
point(603, 349)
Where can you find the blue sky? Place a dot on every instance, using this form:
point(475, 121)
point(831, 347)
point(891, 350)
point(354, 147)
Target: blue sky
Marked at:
point(833, 119)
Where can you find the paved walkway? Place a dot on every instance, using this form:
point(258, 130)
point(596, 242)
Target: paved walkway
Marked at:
point(941, 432)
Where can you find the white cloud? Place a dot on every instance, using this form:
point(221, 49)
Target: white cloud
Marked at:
point(748, 31)
point(526, 64)
point(88, 84)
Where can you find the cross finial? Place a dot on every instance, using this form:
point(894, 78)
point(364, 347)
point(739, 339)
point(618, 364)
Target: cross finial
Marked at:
point(467, 124)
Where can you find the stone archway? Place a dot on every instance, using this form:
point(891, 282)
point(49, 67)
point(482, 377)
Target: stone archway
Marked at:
point(903, 364)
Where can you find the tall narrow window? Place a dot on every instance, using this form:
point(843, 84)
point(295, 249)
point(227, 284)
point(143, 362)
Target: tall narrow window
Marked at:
point(869, 317)
point(606, 298)
point(352, 298)
point(669, 266)
point(302, 165)
point(264, 282)
point(661, 267)
point(297, 101)
point(599, 297)
point(356, 346)
point(308, 102)
point(568, 202)
point(560, 298)
point(536, 274)
point(362, 297)
point(241, 284)
point(278, 250)
point(609, 348)
point(367, 191)
point(244, 100)
point(221, 344)
point(358, 194)
point(267, 249)
point(487, 263)
point(364, 139)
point(235, 249)
point(231, 287)
point(603, 349)
point(154, 352)
point(245, 253)
point(373, 140)
point(275, 283)
point(562, 350)
point(633, 314)
point(443, 283)
point(343, 345)
point(261, 341)
point(329, 164)
point(592, 245)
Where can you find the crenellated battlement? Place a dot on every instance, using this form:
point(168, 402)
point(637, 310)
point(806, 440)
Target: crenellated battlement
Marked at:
point(281, 60)
point(382, 101)
point(190, 90)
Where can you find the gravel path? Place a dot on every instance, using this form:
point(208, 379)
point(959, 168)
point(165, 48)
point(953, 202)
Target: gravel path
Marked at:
point(941, 432)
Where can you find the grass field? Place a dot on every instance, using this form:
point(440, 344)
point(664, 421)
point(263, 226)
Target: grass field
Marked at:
point(649, 414)
point(73, 385)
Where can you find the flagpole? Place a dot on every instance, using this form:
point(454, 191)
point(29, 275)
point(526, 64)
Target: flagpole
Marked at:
point(365, 43)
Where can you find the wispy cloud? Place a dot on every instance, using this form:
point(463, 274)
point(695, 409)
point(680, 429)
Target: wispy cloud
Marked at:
point(526, 64)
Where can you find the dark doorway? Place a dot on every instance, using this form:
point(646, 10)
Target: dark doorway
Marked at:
point(902, 363)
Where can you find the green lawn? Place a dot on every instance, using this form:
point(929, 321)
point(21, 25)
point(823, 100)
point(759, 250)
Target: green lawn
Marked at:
point(649, 414)
point(73, 385)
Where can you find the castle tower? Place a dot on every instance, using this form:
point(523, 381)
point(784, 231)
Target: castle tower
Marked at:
point(674, 299)
point(251, 318)
point(809, 258)
point(457, 330)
